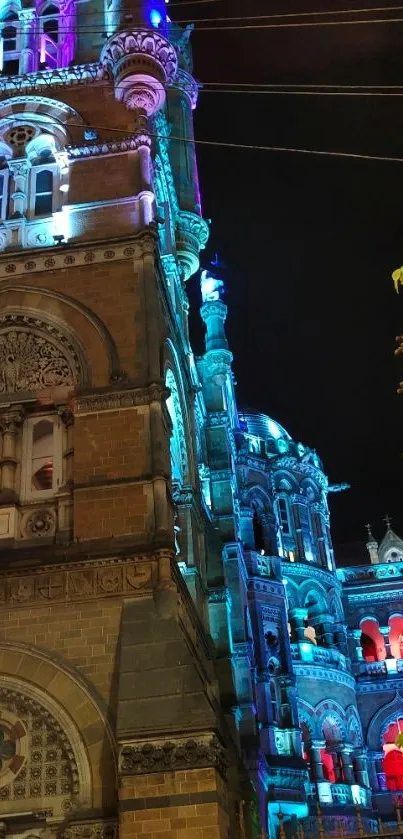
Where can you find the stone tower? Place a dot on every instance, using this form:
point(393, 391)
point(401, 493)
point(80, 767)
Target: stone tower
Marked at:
point(109, 709)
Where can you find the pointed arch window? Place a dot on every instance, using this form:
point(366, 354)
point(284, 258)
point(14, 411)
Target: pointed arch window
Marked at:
point(51, 22)
point(283, 516)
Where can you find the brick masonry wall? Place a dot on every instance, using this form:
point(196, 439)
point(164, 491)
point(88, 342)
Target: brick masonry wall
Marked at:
point(85, 634)
point(187, 804)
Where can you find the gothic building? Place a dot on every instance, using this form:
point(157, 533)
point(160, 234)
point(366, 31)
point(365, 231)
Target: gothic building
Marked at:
point(179, 657)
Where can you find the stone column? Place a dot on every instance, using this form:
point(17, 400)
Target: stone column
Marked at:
point(361, 767)
point(18, 198)
point(357, 640)
point(384, 630)
point(297, 620)
point(340, 638)
point(346, 751)
point(324, 628)
point(28, 53)
point(181, 101)
point(68, 451)
point(316, 761)
point(10, 424)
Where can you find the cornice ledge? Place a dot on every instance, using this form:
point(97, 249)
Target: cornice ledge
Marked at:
point(169, 756)
point(34, 260)
point(129, 143)
point(81, 74)
point(112, 400)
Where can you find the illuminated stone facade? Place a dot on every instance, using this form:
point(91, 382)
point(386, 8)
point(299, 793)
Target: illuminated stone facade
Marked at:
point(174, 656)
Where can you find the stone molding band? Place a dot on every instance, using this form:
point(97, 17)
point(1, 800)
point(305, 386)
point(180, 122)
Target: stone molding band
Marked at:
point(66, 256)
point(168, 756)
point(116, 400)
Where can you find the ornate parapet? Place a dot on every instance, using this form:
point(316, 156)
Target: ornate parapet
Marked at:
point(191, 237)
point(141, 63)
point(168, 756)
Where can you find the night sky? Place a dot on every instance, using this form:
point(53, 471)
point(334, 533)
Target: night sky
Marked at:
point(310, 243)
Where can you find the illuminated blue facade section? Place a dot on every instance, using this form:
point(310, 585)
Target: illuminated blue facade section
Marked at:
point(287, 638)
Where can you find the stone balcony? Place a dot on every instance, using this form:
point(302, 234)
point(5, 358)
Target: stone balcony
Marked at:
point(305, 652)
point(339, 794)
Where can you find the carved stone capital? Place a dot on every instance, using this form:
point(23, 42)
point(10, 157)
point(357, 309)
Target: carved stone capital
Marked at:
point(191, 237)
point(11, 421)
point(166, 756)
point(66, 416)
point(142, 63)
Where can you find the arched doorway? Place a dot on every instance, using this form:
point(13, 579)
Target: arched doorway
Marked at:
point(393, 751)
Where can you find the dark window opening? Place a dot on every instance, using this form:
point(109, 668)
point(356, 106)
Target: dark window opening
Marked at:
point(258, 533)
point(11, 68)
point(44, 193)
point(51, 29)
point(9, 35)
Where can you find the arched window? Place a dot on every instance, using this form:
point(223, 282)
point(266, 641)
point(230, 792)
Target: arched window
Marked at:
point(396, 636)
point(283, 516)
point(51, 25)
point(44, 193)
point(10, 64)
point(258, 532)
point(42, 471)
point(178, 440)
point(372, 641)
point(393, 750)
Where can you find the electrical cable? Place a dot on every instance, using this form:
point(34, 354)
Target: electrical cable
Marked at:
point(222, 144)
point(385, 91)
point(82, 28)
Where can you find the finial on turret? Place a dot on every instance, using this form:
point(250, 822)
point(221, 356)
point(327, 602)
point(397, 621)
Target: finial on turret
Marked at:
point(388, 521)
point(369, 531)
point(372, 546)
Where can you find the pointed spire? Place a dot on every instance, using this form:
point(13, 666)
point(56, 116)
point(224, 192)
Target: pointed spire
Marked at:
point(372, 546)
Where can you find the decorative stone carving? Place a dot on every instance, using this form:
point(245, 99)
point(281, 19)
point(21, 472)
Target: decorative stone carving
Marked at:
point(34, 355)
point(39, 523)
point(167, 756)
point(142, 63)
point(99, 579)
point(91, 830)
point(220, 594)
point(37, 761)
point(191, 237)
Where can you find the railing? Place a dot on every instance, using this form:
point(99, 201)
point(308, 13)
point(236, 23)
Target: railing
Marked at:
point(384, 570)
point(325, 656)
point(378, 669)
point(342, 794)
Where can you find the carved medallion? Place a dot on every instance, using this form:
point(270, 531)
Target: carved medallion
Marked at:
point(34, 356)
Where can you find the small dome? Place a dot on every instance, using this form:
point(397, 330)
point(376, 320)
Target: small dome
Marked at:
point(260, 425)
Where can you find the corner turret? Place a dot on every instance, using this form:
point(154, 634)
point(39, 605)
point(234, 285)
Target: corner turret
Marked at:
point(372, 546)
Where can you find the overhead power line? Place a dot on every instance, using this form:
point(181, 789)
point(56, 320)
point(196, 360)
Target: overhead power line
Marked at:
point(100, 30)
point(223, 144)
